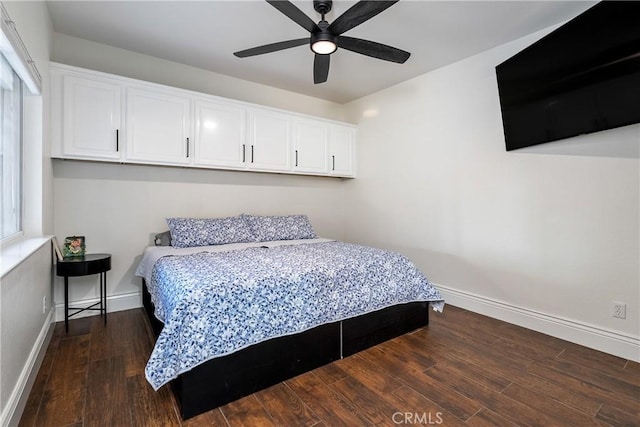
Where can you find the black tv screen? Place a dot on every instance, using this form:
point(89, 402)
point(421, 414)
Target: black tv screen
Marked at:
point(583, 77)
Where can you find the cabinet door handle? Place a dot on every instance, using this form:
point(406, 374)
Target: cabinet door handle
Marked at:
point(252, 153)
point(244, 153)
point(333, 163)
point(296, 158)
point(187, 147)
point(117, 139)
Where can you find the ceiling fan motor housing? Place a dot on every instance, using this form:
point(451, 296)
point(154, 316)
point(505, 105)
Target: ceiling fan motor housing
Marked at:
point(323, 42)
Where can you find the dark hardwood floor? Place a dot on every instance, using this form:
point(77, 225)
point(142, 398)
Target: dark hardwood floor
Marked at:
point(463, 369)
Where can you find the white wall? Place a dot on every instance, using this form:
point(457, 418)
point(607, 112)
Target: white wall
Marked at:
point(538, 238)
point(24, 329)
point(119, 207)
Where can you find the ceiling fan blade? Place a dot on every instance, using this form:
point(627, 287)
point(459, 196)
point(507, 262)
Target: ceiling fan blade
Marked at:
point(295, 14)
point(321, 68)
point(272, 47)
point(373, 49)
point(357, 14)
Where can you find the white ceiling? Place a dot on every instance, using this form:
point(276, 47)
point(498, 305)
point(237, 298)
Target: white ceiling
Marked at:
point(205, 34)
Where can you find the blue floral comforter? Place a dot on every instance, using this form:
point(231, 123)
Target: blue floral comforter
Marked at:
point(213, 304)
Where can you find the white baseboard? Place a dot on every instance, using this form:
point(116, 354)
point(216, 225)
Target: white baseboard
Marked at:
point(114, 303)
point(15, 405)
point(608, 341)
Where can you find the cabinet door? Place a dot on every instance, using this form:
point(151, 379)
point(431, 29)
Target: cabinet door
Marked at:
point(158, 127)
point(342, 149)
point(220, 134)
point(270, 141)
point(310, 147)
point(91, 118)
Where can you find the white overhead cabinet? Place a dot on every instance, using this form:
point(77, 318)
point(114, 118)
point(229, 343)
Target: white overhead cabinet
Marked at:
point(342, 151)
point(324, 149)
point(102, 117)
point(269, 141)
point(220, 135)
point(90, 119)
point(311, 139)
point(158, 127)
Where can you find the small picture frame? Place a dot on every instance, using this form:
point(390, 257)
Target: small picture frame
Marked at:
point(56, 248)
point(74, 246)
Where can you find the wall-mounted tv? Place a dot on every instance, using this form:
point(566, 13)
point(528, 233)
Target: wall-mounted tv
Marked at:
point(583, 77)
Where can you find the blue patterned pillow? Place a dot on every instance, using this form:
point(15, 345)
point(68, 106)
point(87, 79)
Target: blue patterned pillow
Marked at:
point(189, 232)
point(289, 227)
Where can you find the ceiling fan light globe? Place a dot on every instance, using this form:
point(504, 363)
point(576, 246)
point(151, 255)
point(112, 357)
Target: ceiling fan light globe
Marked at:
point(323, 47)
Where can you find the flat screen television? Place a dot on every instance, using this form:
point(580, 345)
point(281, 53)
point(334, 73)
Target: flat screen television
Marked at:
point(583, 77)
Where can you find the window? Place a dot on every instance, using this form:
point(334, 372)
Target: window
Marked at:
point(11, 93)
point(19, 77)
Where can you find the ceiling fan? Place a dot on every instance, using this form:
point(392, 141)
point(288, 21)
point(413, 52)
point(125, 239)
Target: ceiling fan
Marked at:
point(326, 38)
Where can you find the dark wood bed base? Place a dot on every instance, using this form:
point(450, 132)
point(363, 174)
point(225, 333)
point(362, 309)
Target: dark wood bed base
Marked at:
point(225, 379)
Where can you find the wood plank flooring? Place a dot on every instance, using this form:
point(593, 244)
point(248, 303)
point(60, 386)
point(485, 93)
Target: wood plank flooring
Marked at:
point(463, 369)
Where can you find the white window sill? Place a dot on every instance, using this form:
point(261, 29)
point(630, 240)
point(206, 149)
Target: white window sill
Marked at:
point(14, 253)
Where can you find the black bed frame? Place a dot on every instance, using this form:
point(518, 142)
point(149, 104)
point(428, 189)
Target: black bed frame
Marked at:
point(225, 379)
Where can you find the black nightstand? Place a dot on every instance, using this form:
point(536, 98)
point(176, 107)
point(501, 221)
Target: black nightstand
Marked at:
point(85, 266)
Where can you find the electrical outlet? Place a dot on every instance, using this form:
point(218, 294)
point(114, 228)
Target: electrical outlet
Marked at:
point(44, 304)
point(619, 310)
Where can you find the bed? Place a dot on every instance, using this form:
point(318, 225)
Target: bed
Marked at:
point(249, 311)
